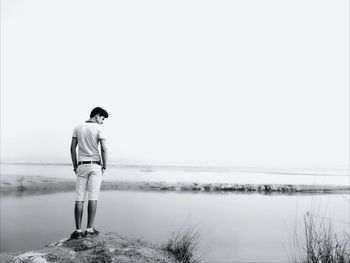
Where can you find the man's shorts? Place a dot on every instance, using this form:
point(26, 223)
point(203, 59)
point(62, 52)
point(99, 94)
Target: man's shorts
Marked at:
point(89, 178)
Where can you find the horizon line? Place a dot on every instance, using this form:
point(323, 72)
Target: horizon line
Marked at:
point(187, 166)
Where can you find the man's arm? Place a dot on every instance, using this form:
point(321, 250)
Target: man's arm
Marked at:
point(104, 154)
point(73, 152)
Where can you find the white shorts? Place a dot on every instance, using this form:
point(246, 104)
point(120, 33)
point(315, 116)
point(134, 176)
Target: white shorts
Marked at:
point(89, 178)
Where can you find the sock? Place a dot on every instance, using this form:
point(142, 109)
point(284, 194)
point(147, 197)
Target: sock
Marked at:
point(90, 229)
point(78, 230)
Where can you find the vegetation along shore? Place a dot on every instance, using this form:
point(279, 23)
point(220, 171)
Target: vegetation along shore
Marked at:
point(11, 183)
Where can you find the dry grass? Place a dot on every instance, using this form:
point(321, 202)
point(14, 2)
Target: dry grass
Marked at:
point(183, 245)
point(320, 244)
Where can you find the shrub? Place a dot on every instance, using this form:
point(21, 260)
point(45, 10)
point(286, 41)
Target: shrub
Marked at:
point(320, 244)
point(183, 245)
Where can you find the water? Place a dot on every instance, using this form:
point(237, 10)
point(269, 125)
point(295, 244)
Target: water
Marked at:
point(239, 227)
point(233, 227)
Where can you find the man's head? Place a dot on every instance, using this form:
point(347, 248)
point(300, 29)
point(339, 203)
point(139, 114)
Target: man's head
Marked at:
point(99, 114)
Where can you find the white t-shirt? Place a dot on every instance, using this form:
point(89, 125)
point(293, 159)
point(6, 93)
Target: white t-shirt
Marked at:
point(89, 135)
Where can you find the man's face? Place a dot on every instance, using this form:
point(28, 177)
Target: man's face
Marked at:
point(99, 119)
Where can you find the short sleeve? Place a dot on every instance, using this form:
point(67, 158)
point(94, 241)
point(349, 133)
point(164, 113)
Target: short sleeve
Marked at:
point(101, 135)
point(75, 134)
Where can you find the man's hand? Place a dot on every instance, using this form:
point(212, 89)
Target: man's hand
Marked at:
point(73, 153)
point(104, 155)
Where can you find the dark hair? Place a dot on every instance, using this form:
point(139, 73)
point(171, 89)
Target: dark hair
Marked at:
point(99, 111)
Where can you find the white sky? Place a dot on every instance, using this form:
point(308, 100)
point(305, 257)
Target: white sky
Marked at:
point(237, 82)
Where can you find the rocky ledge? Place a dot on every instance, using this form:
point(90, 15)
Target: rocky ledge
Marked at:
point(107, 247)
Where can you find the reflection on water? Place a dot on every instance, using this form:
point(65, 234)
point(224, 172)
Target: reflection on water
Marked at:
point(234, 226)
point(31, 192)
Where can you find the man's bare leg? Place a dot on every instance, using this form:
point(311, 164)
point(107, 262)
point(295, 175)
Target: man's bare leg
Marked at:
point(92, 207)
point(78, 213)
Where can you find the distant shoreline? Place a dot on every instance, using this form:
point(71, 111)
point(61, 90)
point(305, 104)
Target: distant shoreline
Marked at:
point(21, 183)
point(283, 170)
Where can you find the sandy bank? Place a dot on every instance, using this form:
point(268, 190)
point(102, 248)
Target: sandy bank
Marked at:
point(13, 183)
point(107, 247)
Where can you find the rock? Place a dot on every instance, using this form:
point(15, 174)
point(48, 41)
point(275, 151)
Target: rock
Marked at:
point(185, 188)
point(196, 187)
point(240, 188)
point(272, 188)
point(167, 188)
point(107, 247)
point(226, 187)
point(58, 243)
point(30, 257)
point(38, 260)
point(250, 187)
point(267, 188)
point(216, 187)
point(207, 187)
point(298, 188)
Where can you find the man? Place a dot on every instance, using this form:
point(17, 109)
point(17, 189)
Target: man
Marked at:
point(89, 168)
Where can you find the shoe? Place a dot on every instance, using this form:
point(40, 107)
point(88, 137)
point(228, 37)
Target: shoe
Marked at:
point(76, 235)
point(94, 232)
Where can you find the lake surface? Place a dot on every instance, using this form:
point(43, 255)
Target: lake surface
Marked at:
point(235, 227)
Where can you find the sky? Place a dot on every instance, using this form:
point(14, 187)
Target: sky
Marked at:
point(233, 83)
